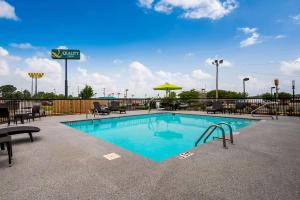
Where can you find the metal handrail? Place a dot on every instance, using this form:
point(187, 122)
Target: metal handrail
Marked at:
point(267, 103)
point(151, 100)
point(214, 126)
point(230, 131)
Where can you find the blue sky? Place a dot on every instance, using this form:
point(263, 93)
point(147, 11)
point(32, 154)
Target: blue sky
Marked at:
point(138, 44)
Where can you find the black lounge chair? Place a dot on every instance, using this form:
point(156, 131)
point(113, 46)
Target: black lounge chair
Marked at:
point(99, 109)
point(6, 140)
point(239, 107)
point(115, 106)
point(217, 106)
point(35, 112)
point(4, 113)
point(20, 130)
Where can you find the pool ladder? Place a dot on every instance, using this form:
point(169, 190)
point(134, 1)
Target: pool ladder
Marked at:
point(212, 128)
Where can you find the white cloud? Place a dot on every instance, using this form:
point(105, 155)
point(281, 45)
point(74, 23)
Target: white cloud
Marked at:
point(22, 45)
point(98, 81)
point(5, 55)
point(193, 9)
point(4, 69)
point(51, 68)
point(225, 63)
point(7, 11)
point(3, 52)
point(291, 67)
point(62, 47)
point(139, 74)
point(277, 37)
point(253, 39)
point(145, 3)
point(117, 61)
point(296, 19)
point(199, 74)
point(82, 57)
point(189, 54)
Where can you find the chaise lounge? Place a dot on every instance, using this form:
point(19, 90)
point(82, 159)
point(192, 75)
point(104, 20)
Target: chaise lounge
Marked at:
point(115, 106)
point(20, 130)
point(99, 109)
point(217, 106)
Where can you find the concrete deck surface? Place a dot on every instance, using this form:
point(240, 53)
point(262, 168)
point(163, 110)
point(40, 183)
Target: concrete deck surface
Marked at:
point(63, 163)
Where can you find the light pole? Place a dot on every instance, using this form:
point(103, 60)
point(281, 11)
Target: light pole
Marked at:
point(35, 76)
point(126, 93)
point(244, 87)
point(276, 83)
point(103, 92)
point(293, 87)
point(272, 90)
point(217, 63)
point(119, 95)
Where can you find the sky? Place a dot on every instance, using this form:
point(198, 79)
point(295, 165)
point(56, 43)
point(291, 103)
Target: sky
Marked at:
point(139, 44)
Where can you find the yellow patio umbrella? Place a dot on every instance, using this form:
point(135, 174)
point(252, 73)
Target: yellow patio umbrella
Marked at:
point(167, 87)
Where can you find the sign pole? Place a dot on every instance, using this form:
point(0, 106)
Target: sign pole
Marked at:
point(66, 54)
point(66, 78)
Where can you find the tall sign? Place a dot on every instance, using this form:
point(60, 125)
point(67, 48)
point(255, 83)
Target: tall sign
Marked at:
point(66, 54)
point(35, 76)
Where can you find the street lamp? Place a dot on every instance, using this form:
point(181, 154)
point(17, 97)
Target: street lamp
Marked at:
point(119, 95)
point(126, 93)
point(272, 90)
point(244, 88)
point(293, 87)
point(217, 63)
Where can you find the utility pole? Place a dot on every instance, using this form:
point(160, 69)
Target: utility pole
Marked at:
point(217, 63)
point(293, 87)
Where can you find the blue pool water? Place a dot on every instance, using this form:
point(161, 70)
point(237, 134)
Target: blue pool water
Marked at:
point(155, 136)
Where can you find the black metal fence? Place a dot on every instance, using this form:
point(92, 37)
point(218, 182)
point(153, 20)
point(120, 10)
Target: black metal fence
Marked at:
point(51, 107)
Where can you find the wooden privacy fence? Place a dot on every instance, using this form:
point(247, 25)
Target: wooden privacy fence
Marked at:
point(72, 106)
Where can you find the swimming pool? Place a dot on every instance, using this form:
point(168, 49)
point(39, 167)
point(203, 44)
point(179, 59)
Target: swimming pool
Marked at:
point(155, 136)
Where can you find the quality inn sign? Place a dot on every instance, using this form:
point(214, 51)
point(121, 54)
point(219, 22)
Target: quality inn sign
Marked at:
point(65, 54)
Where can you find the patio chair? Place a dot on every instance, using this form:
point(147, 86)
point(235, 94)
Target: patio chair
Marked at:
point(6, 140)
point(4, 113)
point(239, 107)
point(20, 130)
point(217, 106)
point(183, 106)
point(115, 106)
point(35, 112)
point(99, 109)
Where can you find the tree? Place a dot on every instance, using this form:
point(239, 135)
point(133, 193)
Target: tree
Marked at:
point(281, 95)
point(267, 96)
point(172, 95)
point(26, 94)
point(284, 95)
point(18, 95)
point(87, 92)
point(225, 94)
point(192, 94)
point(7, 91)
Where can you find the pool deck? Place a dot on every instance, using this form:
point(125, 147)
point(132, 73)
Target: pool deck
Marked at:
point(63, 163)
